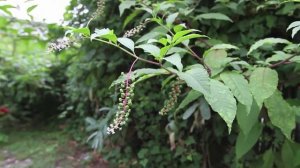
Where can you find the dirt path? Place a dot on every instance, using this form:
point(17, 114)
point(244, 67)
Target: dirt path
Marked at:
point(46, 149)
point(11, 161)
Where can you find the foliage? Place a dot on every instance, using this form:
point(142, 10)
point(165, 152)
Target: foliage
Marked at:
point(229, 60)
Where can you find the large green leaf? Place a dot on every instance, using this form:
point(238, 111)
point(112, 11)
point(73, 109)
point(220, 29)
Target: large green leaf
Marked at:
point(246, 117)
point(281, 113)
point(245, 142)
point(197, 78)
point(216, 60)
point(239, 86)
point(222, 101)
point(216, 16)
point(262, 42)
point(263, 83)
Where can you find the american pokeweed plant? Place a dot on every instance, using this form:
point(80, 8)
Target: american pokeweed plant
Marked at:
point(238, 87)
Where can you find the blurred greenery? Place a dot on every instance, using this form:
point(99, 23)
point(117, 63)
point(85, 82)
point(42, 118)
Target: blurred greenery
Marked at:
point(70, 87)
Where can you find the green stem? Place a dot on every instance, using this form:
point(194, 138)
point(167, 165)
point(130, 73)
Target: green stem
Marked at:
point(129, 53)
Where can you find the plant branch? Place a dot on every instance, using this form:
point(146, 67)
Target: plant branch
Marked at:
point(129, 53)
point(190, 50)
point(135, 56)
point(282, 62)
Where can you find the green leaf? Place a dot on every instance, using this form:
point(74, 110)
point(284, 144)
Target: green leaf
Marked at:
point(223, 47)
point(262, 42)
point(222, 101)
point(268, 159)
point(5, 9)
point(158, 31)
point(188, 37)
point(281, 114)
point(181, 34)
point(171, 18)
point(204, 109)
point(239, 86)
point(175, 59)
point(187, 114)
point(192, 96)
point(278, 56)
point(245, 143)
point(84, 31)
point(293, 25)
point(246, 117)
point(196, 78)
point(295, 31)
point(287, 154)
point(125, 5)
point(127, 43)
point(139, 73)
point(263, 83)
point(150, 48)
point(178, 28)
point(106, 34)
point(216, 16)
point(31, 8)
point(216, 60)
point(130, 17)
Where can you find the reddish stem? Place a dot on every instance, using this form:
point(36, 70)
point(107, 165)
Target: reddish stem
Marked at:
point(127, 85)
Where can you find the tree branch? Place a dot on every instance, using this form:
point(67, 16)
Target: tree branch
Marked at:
point(282, 62)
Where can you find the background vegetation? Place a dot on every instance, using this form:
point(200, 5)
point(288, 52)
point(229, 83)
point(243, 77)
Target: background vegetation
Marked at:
point(249, 58)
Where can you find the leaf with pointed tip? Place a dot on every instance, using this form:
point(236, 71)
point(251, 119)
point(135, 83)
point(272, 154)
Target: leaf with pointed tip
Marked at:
point(197, 78)
point(263, 83)
point(187, 114)
point(281, 113)
point(246, 117)
point(171, 18)
point(262, 42)
point(216, 16)
point(245, 142)
point(31, 8)
point(125, 5)
point(175, 59)
point(150, 48)
point(127, 43)
point(239, 86)
point(222, 101)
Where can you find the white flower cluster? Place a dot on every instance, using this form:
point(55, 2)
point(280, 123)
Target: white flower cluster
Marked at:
point(100, 9)
point(59, 44)
point(135, 30)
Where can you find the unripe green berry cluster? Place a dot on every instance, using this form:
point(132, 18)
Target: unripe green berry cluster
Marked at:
point(124, 106)
point(173, 98)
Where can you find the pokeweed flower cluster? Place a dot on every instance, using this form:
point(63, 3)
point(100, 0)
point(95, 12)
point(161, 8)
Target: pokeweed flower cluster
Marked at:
point(125, 103)
point(173, 97)
point(59, 44)
point(100, 9)
point(135, 30)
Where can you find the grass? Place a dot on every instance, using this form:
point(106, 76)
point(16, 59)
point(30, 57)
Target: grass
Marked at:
point(45, 148)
